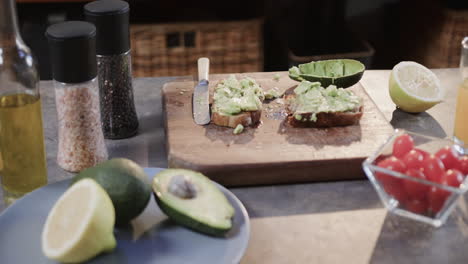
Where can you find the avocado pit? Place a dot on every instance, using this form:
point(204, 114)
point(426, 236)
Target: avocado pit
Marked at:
point(182, 187)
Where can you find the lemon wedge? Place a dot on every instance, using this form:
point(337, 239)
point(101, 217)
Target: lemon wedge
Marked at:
point(80, 225)
point(414, 88)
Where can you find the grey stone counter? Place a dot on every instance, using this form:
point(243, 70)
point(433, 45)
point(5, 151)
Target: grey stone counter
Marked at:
point(334, 222)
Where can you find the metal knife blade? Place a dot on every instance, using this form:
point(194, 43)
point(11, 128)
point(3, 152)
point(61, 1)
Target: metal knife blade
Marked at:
point(201, 94)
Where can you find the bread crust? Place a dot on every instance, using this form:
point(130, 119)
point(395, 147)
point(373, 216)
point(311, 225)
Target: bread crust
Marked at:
point(246, 119)
point(325, 120)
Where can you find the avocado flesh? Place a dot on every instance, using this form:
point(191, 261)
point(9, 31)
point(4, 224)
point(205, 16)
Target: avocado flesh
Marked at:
point(208, 212)
point(294, 73)
point(232, 96)
point(342, 73)
point(331, 68)
point(312, 98)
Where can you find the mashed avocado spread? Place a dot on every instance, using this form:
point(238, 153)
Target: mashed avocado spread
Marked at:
point(232, 96)
point(312, 98)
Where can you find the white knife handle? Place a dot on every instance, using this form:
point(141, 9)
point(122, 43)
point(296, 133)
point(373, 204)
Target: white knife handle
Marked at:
point(203, 68)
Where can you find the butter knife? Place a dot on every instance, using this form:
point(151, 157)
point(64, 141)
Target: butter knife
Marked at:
point(201, 94)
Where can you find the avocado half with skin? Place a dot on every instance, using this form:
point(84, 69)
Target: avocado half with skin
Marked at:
point(343, 73)
point(191, 199)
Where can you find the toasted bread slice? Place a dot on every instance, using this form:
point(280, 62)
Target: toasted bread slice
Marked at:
point(234, 92)
point(325, 119)
point(248, 118)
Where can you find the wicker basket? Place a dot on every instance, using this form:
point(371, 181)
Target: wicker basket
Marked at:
point(444, 48)
point(173, 49)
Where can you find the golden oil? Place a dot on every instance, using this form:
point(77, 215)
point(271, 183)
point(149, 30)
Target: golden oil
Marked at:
point(22, 149)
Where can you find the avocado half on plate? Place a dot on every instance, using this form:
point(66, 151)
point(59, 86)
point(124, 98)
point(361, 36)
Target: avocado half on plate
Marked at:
point(342, 73)
point(193, 200)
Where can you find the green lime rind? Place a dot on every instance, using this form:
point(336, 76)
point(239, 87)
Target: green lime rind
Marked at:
point(126, 184)
point(342, 73)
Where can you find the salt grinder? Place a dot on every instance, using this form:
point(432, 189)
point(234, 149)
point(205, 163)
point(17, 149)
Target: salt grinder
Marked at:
point(72, 47)
point(118, 114)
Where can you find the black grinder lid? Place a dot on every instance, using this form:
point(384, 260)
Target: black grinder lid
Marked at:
point(111, 18)
point(72, 48)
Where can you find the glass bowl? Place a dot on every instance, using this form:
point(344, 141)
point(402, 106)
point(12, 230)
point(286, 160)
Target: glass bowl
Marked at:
point(432, 203)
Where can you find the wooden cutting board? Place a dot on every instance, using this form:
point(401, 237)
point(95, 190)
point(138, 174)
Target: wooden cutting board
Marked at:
point(274, 152)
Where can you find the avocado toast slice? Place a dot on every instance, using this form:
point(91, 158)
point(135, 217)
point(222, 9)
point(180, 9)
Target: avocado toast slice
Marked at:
point(237, 102)
point(314, 106)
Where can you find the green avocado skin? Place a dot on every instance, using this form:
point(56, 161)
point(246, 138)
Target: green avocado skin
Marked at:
point(342, 73)
point(343, 82)
point(186, 221)
point(120, 178)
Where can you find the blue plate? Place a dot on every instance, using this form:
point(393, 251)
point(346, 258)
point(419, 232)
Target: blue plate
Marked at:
point(152, 237)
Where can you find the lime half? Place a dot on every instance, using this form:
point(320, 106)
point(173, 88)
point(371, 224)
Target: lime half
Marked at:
point(80, 225)
point(414, 88)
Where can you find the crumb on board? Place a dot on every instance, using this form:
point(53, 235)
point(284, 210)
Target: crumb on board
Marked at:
point(239, 128)
point(273, 93)
point(276, 77)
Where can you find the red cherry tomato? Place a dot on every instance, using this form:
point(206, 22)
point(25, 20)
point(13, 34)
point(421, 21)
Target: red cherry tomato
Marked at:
point(433, 168)
point(402, 145)
point(437, 199)
point(453, 178)
point(417, 206)
point(449, 157)
point(413, 159)
point(416, 190)
point(397, 191)
point(392, 163)
point(392, 185)
point(423, 152)
point(464, 165)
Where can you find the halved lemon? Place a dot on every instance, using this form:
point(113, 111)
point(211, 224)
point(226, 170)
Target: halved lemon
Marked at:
point(414, 88)
point(80, 225)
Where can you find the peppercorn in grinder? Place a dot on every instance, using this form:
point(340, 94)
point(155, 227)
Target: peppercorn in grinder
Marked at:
point(118, 114)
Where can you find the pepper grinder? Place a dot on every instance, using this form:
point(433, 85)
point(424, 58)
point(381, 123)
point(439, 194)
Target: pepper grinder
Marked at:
point(118, 114)
point(72, 47)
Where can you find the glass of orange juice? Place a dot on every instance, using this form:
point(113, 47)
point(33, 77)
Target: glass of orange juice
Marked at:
point(461, 114)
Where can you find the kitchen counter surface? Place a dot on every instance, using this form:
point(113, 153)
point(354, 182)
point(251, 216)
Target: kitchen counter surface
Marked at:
point(332, 222)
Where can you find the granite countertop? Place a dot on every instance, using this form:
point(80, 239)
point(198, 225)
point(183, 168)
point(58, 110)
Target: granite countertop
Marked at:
point(333, 222)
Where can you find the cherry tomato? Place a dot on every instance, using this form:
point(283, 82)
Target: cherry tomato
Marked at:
point(449, 157)
point(437, 199)
point(413, 160)
point(433, 168)
point(416, 190)
point(397, 190)
point(453, 178)
point(402, 145)
point(392, 185)
point(464, 165)
point(392, 163)
point(425, 153)
point(417, 206)
point(380, 158)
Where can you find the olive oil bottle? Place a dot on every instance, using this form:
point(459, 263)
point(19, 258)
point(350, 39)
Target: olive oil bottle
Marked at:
point(22, 152)
point(21, 144)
